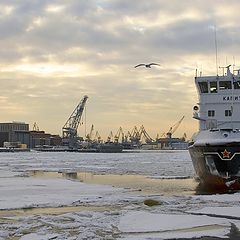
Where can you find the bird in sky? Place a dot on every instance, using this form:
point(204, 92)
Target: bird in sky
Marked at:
point(146, 65)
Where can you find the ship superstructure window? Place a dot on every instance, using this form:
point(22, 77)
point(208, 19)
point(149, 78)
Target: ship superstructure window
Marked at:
point(225, 85)
point(213, 87)
point(228, 113)
point(236, 84)
point(211, 113)
point(203, 87)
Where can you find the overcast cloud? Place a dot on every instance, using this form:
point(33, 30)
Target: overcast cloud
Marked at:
point(54, 52)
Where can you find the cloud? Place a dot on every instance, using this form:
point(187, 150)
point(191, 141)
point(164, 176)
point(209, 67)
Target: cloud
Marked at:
point(54, 52)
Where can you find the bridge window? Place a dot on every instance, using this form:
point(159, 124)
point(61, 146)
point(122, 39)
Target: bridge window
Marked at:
point(213, 87)
point(236, 84)
point(203, 87)
point(225, 85)
point(211, 113)
point(228, 113)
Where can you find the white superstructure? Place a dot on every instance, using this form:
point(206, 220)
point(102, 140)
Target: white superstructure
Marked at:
point(219, 101)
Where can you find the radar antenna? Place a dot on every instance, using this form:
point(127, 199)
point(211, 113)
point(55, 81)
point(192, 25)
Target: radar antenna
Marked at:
point(228, 69)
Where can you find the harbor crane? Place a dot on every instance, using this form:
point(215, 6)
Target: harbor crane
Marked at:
point(135, 136)
point(98, 138)
point(110, 137)
point(145, 135)
point(127, 136)
point(118, 134)
point(174, 128)
point(93, 138)
point(69, 130)
point(90, 135)
point(35, 127)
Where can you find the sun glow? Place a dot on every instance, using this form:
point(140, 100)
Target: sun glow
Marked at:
point(46, 69)
point(55, 8)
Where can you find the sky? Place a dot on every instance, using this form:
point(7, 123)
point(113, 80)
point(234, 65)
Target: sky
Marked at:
point(52, 53)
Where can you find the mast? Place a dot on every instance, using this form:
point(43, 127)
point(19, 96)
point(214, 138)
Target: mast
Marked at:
point(216, 48)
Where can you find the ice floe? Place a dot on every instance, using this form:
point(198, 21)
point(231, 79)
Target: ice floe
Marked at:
point(25, 192)
point(144, 225)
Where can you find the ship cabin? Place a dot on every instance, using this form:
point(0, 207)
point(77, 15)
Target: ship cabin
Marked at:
point(219, 101)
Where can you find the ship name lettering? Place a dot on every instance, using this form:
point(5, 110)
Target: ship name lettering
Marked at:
point(230, 98)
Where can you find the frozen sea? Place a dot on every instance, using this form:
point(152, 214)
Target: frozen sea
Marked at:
point(63, 195)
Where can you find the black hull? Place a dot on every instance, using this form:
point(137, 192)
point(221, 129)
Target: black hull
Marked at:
point(217, 167)
point(109, 148)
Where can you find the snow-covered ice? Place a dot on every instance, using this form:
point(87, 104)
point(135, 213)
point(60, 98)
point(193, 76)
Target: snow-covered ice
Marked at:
point(175, 226)
point(151, 222)
point(102, 211)
point(228, 212)
point(25, 192)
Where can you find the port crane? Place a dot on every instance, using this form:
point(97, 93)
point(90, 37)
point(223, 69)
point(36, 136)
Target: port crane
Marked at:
point(69, 130)
point(93, 138)
point(174, 128)
point(145, 135)
point(98, 138)
point(135, 136)
point(127, 136)
point(110, 137)
point(90, 135)
point(118, 134)
point(35, 127)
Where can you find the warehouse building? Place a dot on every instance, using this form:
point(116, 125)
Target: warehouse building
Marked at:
point(42, 139)
point(18, 135)
point(14, 133)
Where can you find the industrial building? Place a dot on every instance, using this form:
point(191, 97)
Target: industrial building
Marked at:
point(42, 139)
point(14, 133)
point(18, 135)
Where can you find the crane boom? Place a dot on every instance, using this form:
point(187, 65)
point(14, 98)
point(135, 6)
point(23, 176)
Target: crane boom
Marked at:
point(110, 137)
point(118, 134)
point(174, 128)
point(90, 135)
point(69, 130)
point(144, 133)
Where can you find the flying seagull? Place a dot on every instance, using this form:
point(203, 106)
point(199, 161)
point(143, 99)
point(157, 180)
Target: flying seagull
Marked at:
point(146, 65)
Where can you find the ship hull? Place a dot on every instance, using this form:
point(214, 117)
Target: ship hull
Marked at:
point(109, 148)
point(217, 166)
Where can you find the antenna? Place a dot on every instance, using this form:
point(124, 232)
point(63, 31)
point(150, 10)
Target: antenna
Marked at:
point(85, 120)
point(233, 63)
point(216, 48)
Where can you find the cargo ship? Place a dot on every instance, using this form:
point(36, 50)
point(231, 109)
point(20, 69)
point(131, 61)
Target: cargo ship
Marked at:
point(109, 148)
point(215, 148)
